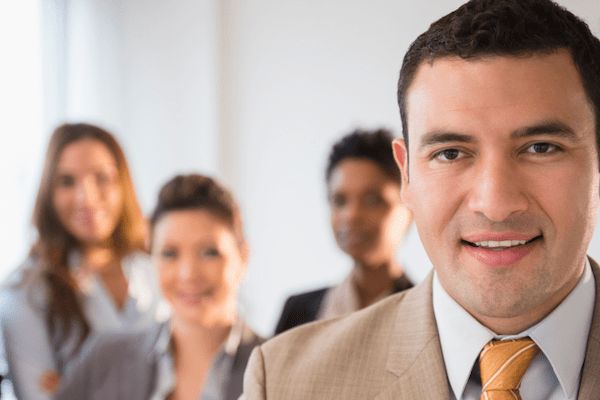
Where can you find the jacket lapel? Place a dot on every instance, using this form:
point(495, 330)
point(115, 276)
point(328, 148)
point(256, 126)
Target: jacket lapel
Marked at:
point(589, 387)
point(415, 365)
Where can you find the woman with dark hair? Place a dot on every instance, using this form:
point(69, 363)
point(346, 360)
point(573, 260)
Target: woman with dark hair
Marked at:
point(200, 253)
point(369, 222)
point(87, 272)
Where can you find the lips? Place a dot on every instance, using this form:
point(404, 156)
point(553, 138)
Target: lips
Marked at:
point(354, 237)
point(500, 250)
point(194, 297)
point(87, 216)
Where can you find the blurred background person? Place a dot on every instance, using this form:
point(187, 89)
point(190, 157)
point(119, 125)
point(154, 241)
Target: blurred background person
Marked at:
point(87, 272)
point(369, 222)
point(200, 253)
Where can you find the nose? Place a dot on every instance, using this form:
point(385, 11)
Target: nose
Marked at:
point(352, 212)
point(187, 269)
point(498, 191)
point(87, 193)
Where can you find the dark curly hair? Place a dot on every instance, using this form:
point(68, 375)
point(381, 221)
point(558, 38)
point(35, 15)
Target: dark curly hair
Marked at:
point(374, 145)
point(194, 191)
point(482, 28)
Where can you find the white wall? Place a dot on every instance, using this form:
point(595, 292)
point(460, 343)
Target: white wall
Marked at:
point(307, 72)
point(254, 92)
point(171, 80)
point(21, 126)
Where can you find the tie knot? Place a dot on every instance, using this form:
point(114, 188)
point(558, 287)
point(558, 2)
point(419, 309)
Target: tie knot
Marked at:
point(503, 364)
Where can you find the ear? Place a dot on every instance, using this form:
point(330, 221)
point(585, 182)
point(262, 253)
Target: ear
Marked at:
point(244, 251)
point(401, 156)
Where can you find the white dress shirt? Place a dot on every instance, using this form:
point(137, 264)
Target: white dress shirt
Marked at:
point(28, 348)
point(562, 337)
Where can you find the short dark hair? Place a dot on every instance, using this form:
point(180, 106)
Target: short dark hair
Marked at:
point(482, 28)
point(374, 145)
point(198, 192)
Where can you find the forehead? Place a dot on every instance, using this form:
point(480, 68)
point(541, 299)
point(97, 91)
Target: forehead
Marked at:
point(85, 153)
point(500, 92)
point(357, 174)
point(188, 225)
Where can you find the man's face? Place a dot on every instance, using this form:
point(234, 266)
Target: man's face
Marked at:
point(504, 181)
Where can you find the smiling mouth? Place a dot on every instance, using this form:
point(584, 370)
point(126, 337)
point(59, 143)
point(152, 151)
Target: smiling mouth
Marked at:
point(500, 245)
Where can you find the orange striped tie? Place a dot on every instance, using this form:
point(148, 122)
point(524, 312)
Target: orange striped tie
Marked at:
point(503, 364)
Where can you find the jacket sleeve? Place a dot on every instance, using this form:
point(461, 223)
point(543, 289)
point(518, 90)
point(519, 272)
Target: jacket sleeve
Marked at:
point(254, 378)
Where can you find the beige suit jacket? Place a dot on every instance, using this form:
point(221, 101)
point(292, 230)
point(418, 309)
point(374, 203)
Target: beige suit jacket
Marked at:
point(390, 350)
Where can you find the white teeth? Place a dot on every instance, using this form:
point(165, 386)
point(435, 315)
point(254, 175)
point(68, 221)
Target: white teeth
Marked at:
point(504, 243)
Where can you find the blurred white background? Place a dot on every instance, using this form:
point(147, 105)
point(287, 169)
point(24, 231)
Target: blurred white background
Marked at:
point(253, 92)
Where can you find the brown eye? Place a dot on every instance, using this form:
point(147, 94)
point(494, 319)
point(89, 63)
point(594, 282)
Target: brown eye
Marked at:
point(373, 200)
point(542, 148)
point(338, 201)
point(210, 252)
point(168, 254)
point(101, 179)
point(65, 181)
point(450, 154)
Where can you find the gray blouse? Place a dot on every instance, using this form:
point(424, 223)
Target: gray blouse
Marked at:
point(140, 366)
point(28, 348)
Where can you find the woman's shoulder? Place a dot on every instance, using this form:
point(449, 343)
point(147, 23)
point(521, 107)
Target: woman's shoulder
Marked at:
point(115, 360)
point(25, 288)
point(114, 345)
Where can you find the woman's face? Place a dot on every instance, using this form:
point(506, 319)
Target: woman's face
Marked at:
point(200, 266)
point(87, 195)
point(367, 214)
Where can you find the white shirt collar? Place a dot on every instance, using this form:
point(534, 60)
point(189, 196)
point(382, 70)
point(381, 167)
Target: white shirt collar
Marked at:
point(462, 337)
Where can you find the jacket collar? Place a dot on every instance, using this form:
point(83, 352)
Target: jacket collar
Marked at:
point(415, 364)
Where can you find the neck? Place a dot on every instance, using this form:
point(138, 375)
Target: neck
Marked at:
point(99, 258)
point(194, 340)
point(373, 280)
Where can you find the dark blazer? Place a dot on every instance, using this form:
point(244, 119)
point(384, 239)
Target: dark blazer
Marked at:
point(125, 366)
point(303, 308)
point(389, 351)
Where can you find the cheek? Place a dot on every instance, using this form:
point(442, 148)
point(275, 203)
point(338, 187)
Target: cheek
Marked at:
point(334, 219)
point(232, 276)
point(166, 277)
point(60, 202)
point(116, 200)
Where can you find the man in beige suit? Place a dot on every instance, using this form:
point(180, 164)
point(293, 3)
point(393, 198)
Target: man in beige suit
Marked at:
point(500, 107)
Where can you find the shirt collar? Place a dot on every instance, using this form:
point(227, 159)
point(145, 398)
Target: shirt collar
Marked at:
point(162, 352)
point(462, 337)
point(570, 322)
point(230, 346)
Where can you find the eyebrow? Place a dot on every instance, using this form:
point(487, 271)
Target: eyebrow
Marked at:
point(438, 137)
point(552, 128)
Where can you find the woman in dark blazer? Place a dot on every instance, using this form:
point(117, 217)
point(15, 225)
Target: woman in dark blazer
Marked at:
point(200, 254)
point(369, 222)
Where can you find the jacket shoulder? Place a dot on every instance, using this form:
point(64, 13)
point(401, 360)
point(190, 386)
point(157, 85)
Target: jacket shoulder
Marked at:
point(325, 357)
